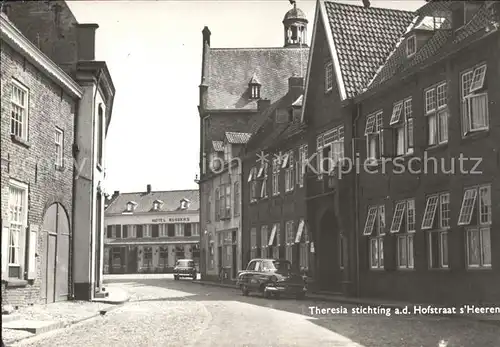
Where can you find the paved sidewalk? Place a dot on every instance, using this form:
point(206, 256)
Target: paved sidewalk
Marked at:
point(38, 319)
point(331, 297)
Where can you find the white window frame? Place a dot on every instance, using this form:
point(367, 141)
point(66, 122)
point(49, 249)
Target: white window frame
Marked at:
point(328, 76)
point(439, 227)
point(402, 122)
point(289, 172)
point(263, 187)
point(375, 220)
point(276, 241)
point(333, 139)
point(437, 113)
point(17, 228)
point(304, 247)
point(404, 210)
point(374, 132)
point(301, 170)
point(59, 144)
point(275, 177)
point(473, 205)
point(290, 240)
point(21, 109)
point(411, 49)
point(474, 94)
point(264, 239)
point(179, 229)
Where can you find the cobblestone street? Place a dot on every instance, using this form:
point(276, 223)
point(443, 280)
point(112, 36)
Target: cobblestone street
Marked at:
point(164, 312)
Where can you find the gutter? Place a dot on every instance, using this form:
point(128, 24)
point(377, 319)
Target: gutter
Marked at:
point(356, 197)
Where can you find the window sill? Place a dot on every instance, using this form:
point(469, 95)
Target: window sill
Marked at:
point(476, 135)
point(439, 147)
point(59, 168)
point(328, 91)
point(377, 269)
point(16, 283)
point(440, 269)
point(482, 268)
point(20, 141)
point(405, 269)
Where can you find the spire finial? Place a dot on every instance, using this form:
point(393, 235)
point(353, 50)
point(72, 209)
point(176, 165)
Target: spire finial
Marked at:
point(294, 3)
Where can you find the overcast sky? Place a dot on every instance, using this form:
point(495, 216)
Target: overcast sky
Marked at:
point(153, 51)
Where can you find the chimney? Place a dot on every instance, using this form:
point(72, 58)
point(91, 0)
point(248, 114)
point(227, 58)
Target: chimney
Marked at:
point(206, 36)
point(115, 194)
point(262, 104)
point(86, 41)
point(148, 188)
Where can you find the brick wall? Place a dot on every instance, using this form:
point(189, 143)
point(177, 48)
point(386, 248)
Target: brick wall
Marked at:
point(49, 107)
point(421, 283)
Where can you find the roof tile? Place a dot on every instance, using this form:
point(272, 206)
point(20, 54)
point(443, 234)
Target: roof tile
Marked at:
point(237, 138)
point(171, 201)
point(218, 146)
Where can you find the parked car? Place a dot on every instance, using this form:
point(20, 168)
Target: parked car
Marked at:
point(185, 268)
point(272, 277)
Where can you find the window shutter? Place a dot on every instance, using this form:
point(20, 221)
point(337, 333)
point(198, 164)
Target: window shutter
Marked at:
point(139, 231)
point(410, 133)
point(171, 230)
point(32, 245)
point(155, 230)
point(125, 231)
point(5, 251)
point(382, 150)
point(110, 231)
point(187, 229)
point(118, 231)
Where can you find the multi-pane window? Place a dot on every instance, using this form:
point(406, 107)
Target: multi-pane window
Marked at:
point(301, 170)
point(475, 216)
point(264, 174)
point(253, 243)
point(223, 202)
point(59, 143)
point(264, 244)
point(474, 100)
point(163, 257)
point(147, 257)
point(290, 240)
point(402, 122)
point(374, 133)
point(411, 46)
point(252, 179)
point(276, 176)
point(375, 219)
point(236, 198)
point(163, 232)
point(179, 229)
point(19, 110)
point(328, 76)
point(303, 238)
point(132, 231)
point(100, 134)
point(289, 166)
point(195, 229)
point(437, 221)
point(330, 148)
point(437, 114)
point(404, 215)
point(146, 230)
point(275, 239)
point(17, 226)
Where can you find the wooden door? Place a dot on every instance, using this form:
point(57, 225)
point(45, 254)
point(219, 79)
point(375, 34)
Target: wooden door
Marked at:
point(49, 254)
point(62, 267)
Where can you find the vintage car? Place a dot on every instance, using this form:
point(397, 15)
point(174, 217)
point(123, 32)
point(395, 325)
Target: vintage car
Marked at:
point(185, 268)
point(271, 277)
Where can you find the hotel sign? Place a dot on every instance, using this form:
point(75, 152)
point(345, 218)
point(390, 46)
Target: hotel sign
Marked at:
point(172, 220)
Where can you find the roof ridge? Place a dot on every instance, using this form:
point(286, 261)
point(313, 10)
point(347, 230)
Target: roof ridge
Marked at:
point(256, 48)
point(163, 191)
point(339, 4)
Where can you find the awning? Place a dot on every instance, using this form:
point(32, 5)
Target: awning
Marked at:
point(250, 176)
point(261, 171)
point(285, 161)
point(300, 230)
point(273, 235)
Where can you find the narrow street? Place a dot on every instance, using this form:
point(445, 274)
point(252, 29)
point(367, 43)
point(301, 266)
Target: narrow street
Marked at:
point(164, 312)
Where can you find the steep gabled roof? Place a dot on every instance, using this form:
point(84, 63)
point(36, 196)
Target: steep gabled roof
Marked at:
point(441, 41)
point(230, 70)
point(363, 38)
point(171, 201)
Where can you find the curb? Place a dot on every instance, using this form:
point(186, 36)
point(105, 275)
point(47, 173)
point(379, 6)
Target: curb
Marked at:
point(354, 301)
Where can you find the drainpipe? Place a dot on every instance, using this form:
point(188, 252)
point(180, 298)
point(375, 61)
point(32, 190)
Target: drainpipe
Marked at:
point(356, 197)
point(94, 201)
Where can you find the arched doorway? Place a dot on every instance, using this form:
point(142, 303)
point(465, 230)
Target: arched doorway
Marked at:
point(327, 252)
point(55, 254)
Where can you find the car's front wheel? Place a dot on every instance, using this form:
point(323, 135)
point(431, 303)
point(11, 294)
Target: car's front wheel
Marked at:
point(176, 278)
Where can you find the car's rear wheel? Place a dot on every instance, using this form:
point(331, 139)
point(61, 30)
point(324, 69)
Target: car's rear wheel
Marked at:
point(176, 277)
point(244, 290)
point(194, 277)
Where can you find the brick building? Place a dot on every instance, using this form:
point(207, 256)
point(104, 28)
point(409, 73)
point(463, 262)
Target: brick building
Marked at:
point(229, 104)
point(149, 231)
point(273, 191)
point(38, 108)
point(52, 29)
point(435, 98)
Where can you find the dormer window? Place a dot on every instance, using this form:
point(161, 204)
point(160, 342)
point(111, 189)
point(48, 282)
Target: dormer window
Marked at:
point(184, 204)
point(157, 204)
point(131, 206)
point(254, 86)
point(411, 45)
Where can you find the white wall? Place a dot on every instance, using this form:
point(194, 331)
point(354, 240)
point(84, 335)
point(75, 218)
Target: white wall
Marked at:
point(149, 218)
